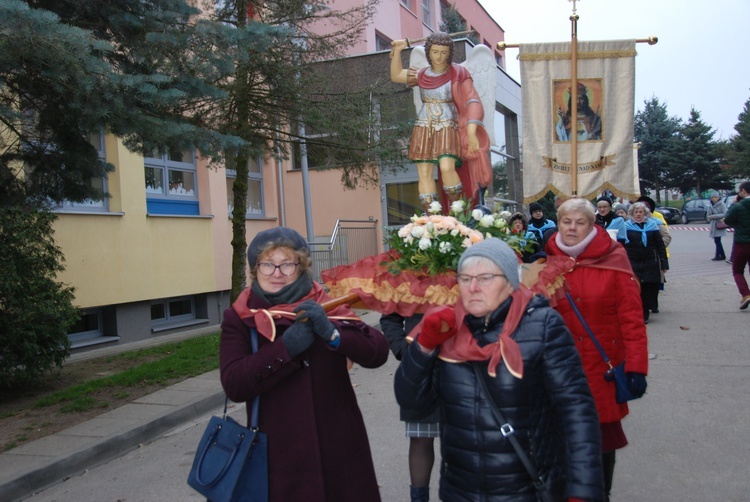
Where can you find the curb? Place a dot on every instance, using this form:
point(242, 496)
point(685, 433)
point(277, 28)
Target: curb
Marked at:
point(106, 449)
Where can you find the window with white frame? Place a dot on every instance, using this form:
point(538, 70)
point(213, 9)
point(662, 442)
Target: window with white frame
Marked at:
point(406, 3)
point(172, 310)
point(382, 43)
point(427, 12)
point(255, 199)
point(88, 327)
point(171, 183)
point(100, 183)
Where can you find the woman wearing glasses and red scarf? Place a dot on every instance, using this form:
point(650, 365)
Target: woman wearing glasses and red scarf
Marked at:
point(523, 352)
point(317, 443)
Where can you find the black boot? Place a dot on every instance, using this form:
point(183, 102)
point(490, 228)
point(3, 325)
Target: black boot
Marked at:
point(608, 463)
point(421, 494)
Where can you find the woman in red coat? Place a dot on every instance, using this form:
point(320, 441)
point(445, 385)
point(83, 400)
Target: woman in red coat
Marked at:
point(607, 294)
point(317, 443)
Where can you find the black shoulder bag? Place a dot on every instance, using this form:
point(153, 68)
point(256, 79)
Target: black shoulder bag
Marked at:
point(549, 491)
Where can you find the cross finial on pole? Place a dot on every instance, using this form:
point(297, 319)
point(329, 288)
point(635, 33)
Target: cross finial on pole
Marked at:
point(574, 5)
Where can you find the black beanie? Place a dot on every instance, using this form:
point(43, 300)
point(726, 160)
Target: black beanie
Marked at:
point(649, 202)
point(535, 206)
point(604, 198)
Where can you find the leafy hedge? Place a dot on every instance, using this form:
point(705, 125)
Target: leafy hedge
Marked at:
point(35, 310)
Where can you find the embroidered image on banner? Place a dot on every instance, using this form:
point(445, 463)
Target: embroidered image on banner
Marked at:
point(590, 107)
point(604, 126)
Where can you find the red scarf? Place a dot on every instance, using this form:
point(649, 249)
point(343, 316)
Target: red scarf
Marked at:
point(464, 347)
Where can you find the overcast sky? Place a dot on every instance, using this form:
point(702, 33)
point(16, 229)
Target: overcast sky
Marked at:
point(701, 59)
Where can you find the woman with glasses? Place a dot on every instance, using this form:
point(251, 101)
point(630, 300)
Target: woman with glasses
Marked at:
point(317, 443)
point(504, 345)
point(607, 294)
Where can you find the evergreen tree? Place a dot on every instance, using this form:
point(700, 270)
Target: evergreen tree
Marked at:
point(738, 151)
point(140, 70)
point(697, 158)
point(655, 131)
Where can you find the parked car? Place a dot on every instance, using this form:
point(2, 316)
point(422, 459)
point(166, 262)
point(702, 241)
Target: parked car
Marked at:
point(671, 214)
point(730, 199)
point(694, 209)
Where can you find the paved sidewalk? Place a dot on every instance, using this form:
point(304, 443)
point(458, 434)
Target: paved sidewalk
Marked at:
point(49, 460)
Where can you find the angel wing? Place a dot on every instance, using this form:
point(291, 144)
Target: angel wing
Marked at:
point(481, 65)
point(418, 60)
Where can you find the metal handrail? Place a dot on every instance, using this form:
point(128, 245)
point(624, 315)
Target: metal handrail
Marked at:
point(341, 249)
point(336, 231)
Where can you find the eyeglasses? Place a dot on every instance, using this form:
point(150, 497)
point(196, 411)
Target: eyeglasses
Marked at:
point(482, 279)
point(268, 268)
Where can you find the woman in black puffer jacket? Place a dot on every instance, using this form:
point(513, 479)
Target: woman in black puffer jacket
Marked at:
point(533, 371)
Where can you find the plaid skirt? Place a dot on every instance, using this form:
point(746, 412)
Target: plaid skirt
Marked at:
point(422, 430)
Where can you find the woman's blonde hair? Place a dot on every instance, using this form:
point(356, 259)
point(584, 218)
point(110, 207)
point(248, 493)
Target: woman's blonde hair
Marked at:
point(301, 255)
point(577, 205)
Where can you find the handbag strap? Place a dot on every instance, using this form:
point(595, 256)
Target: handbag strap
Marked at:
point(508, 431)
point(588, 330)
point(256, 401)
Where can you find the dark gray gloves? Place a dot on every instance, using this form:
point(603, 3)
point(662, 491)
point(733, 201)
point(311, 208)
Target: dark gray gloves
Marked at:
point(637, 384)
point(298, 337)
point(313, 312)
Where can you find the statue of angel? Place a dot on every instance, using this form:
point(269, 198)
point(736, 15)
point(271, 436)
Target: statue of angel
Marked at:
point(455, 110)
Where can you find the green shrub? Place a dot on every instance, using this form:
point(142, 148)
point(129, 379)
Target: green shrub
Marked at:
point(35, 310)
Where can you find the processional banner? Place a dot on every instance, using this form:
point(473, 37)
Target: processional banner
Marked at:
point(604, 126)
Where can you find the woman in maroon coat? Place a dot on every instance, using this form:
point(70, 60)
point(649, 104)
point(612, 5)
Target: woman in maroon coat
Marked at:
point(607, 294)
point(317, 443)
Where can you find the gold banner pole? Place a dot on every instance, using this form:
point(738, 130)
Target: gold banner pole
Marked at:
point(652, 40)
point(574, 102)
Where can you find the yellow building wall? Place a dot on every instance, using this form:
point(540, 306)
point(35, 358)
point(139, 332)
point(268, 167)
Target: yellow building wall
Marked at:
point(125, 255)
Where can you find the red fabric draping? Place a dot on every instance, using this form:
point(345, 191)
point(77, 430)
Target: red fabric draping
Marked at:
point(406, 293)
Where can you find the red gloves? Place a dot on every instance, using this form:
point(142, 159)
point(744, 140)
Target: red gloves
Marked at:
point(437, 327)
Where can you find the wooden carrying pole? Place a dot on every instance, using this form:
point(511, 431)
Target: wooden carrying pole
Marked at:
point(349, 299)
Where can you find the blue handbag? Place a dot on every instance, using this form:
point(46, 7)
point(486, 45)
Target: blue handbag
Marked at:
point(231, 462)
point(614, 373)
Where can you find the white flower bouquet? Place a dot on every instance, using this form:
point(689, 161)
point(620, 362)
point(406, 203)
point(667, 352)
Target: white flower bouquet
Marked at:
point(433, 243)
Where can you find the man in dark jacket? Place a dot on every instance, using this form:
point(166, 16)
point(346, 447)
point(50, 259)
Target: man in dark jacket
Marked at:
point(738, 217)
point(522, 350)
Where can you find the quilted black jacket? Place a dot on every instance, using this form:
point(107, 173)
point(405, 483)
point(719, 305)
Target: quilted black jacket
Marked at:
point(551, 409)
